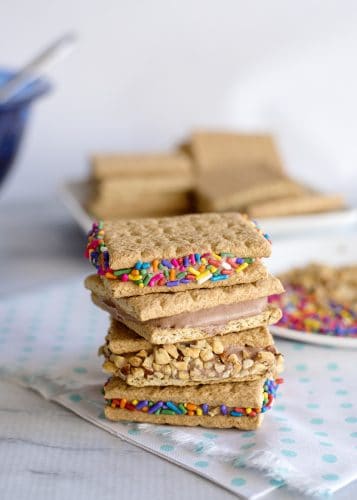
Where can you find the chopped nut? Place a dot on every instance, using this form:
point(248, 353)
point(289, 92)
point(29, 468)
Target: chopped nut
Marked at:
point(211, 374)
point(200, 344)
point(161, 356)
point(208, 365)
point(233, 358)
point(193, 352)
point(147, 363)
point(246, 354)
point(236, 370)
point(158, 375)
point(119, 361)
point(247, 363)
point(138, 372)
point(219, 368)
point(195, 374)
point(217, 347)
point(180, 365)
point(109, 367)
point(171, 349)
point(142, 353)
point(156, 367)
point(135, 361)
point(244, 373)
point(167, 369)
point(214, 411)
point(174, 372)
point(183, 375)
point(197, 363)
point(206, 354)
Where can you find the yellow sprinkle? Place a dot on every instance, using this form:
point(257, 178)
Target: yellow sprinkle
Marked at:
point(141, 285)
point(192, 270)
point(213, 269)
point(241, 267)
point(217, 257)
point(204, 260)
point(134, 278)
point(199, 412)
point(134, 402)
point(248, 410)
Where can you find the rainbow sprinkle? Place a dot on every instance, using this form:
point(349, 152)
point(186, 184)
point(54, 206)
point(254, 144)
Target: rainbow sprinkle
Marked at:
point(169, 408)
point(194, 268)
point(303, 311)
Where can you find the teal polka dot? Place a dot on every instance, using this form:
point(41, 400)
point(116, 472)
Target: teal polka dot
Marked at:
point(336, 379)
point(346, 405)
point(298, 347)
point(246, 446)
point(135, 432)
point(304, 380)
point(210, 435)
point(75, 398)
point(330, 459)
point(280, 419)
point(30, 338)
point(317, 421)
point(321, 433)
point(289, 453)
point(279, 407)
point(239, 463)
point(287, 440)
point(27, 348)
point(351, 420)
point(312, 406)
point(248, 434)
point(57, 348)
point(199, 448)
point(202, 464)
point(285, 429)
point(80, 369)
point(324, 443)
point(353, 434)
point(341, 392)
point(332, 366)
point(166, 447)
point(331, 477)
point(238, 481)
point(301, 367)
point(277, 482)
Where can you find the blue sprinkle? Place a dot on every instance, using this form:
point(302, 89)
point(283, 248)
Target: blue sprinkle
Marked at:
point(185, 281)
point(173, 283)
point(173, 407)
point(141, 405)
point(224, 410)
point(186, 261)
point(155, 407)
point(198, 258)
point(239, 261)
point(167, 263)
point(145, 265)
point(219, 277)
point(236, 414)
point(205, 408)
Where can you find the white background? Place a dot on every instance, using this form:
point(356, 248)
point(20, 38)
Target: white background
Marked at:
point(146, 73)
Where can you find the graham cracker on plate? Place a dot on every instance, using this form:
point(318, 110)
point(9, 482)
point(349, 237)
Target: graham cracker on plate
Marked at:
point(220, 150)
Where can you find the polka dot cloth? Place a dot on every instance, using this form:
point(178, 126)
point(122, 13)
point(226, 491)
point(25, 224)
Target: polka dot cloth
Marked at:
point(49, 341)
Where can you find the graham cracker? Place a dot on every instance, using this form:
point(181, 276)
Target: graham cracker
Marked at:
point(233, 188)
point(235, 394)
point(135, 240)
point(243, 423)
point(252, 273)
point(122, 340)
point(308, 203)
point(151, 306)
point(105, 166)
point(221, 150)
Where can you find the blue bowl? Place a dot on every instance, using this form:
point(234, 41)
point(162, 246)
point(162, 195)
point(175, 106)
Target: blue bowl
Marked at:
point(14, 117)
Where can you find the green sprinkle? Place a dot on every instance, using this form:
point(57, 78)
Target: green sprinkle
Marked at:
point(179, 276)
point(158, 411)
point(101, 224)
point(143, 272)
point(226, 254)
point(166, 273)
point(120, 272)
point(147, 279)
point(161, 267)
point(249, 260)
point(182, 408)
point(138, 282)
point(150, 403)
point(168, 412)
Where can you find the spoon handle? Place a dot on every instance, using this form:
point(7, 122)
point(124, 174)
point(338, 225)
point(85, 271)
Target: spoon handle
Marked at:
point(42, 61)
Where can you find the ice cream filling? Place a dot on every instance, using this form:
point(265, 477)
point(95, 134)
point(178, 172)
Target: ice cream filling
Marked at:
point(213, 316)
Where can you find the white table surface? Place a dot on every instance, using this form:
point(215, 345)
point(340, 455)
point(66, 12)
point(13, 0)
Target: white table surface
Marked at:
point(46, 452)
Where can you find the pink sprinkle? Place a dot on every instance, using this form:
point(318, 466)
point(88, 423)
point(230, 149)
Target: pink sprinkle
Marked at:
point(175, 263)
point(155, 278)
point(182, 269)
point(124, 277)
point(101, 272)
point(192, 259)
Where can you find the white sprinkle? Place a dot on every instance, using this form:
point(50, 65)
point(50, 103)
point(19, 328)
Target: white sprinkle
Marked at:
point(204, 278)
point(225, 265)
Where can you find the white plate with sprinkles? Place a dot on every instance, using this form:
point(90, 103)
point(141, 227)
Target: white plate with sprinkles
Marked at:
point(320, 278)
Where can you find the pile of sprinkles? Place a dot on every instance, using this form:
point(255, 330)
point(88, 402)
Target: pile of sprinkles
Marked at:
point(190, 409)
point(194, 268)
point(303, 311)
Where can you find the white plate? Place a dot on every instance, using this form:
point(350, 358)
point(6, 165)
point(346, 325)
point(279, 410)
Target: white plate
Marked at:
point(337, 249)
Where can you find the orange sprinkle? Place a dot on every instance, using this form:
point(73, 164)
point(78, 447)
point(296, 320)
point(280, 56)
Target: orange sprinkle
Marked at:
point(155, 264)
point(135, 272)
point(190, 413)
point(191, 406)
point(110, 276)
point(172, 274)
point(123, 403)
point(202, 268)
point(145, 409)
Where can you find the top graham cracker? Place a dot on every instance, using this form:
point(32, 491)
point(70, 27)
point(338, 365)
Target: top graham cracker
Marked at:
point(129, 241)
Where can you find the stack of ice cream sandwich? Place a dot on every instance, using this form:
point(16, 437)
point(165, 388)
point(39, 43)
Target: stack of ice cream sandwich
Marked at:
point(188, 342)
